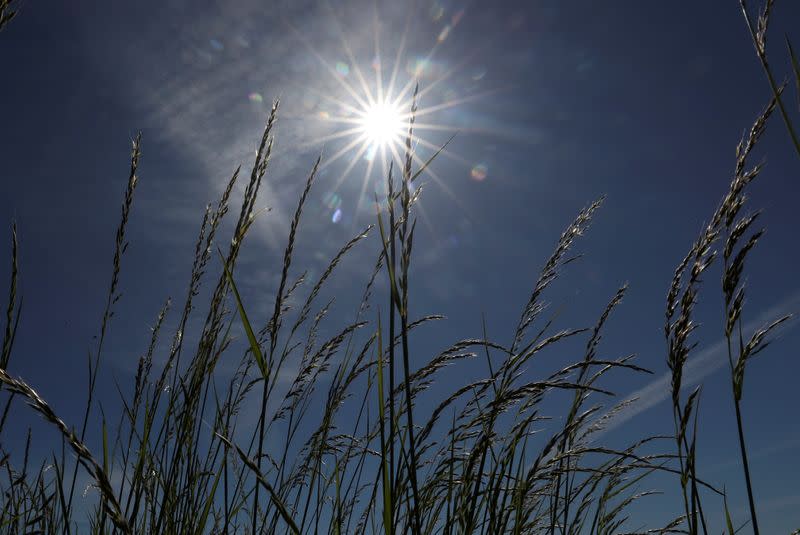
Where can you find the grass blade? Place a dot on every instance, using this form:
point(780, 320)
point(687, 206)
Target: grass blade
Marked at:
point(251, 337)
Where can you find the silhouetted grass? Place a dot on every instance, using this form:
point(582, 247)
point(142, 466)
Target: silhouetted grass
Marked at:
point(348, 446)
point(6, 13)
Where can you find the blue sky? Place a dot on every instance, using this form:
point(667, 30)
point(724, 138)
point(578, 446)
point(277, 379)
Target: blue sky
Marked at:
point(554, 105)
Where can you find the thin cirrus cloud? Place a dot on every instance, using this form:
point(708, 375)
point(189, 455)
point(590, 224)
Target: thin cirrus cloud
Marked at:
point(191, 87)
point(698, 366)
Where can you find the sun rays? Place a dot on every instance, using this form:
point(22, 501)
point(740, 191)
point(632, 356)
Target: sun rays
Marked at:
point(373, 108)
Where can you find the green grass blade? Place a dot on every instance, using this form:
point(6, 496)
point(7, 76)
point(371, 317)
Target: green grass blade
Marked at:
point(251, 337)
point(201, 524)
point(284, 512)
point(387, 488)
point(728, 521)
point(390, 267)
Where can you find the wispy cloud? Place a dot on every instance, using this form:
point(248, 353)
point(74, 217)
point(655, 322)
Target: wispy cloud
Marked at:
point(699, 366)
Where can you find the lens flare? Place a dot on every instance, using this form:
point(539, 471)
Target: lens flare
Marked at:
point(480, 172)
point(371, 107)
point(342, 68)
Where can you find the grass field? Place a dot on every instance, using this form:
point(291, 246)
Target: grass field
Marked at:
point(341, 446)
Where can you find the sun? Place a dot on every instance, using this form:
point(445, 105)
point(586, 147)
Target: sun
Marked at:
point(382, 124)
point(377, 118)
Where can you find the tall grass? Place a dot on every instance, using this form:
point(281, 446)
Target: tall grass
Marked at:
point(6, 13)
point(366, 437)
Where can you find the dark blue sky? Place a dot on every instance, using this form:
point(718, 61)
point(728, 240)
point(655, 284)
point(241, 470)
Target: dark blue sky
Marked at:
point(556, 103)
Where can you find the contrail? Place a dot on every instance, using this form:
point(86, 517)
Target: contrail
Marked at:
point(697, 367)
